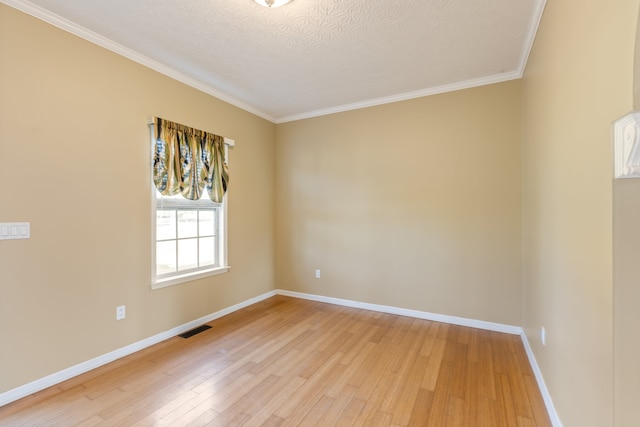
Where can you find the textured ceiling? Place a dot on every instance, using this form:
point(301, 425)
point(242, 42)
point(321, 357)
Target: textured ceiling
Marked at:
point(310, 57)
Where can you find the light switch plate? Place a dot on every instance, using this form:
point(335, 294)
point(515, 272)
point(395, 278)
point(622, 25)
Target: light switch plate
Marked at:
point(15, 230)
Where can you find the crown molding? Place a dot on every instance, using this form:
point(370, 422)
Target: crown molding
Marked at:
point(536, 17)
point(497, 78)
point(77, 30)
point(66, 25)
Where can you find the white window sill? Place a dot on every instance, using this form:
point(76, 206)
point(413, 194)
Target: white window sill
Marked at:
point(174, 280)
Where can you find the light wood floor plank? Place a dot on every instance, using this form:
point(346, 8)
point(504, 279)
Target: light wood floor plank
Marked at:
point(433, 365)
point(421, 408)
point(289, 362)
point(311, 391)
point(332, 416)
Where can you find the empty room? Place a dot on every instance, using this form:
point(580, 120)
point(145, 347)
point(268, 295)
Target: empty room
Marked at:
point(322, 212)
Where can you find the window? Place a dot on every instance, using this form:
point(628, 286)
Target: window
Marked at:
point(189, 239)
point(189, 236)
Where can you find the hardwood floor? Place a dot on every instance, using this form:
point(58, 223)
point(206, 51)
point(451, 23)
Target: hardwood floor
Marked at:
point(291, 362)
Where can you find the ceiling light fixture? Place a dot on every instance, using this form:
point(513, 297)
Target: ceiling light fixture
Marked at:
point(272, 3)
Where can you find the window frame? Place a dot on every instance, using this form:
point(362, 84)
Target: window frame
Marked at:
point(221, 229)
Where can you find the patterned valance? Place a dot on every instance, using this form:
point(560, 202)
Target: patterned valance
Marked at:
point(187, 161)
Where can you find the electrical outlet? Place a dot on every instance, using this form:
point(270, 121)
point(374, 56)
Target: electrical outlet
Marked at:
point(120, 312)
point(317, 274)
point(543, 335)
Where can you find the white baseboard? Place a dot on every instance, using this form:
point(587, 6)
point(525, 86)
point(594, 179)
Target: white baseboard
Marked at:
point(81, 368)
point(461, 321)
point(551, 409)
point(65, 374)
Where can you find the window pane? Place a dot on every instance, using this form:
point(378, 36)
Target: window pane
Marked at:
point(187, 224)
point(187, 254)
point(165, 257)
point(206, 223)
point(207, 251)
point(165, 225)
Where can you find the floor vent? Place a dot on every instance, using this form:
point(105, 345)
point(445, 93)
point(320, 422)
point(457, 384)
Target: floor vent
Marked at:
point(194, 331)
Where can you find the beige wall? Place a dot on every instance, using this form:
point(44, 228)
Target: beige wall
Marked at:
point(578, 81)
point(74, 161)
point(626, 302)
point(414, 204)
point(421, 204)
point(626, 292)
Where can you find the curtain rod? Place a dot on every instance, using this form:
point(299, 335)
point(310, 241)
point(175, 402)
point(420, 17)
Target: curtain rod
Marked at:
point(227, 141)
